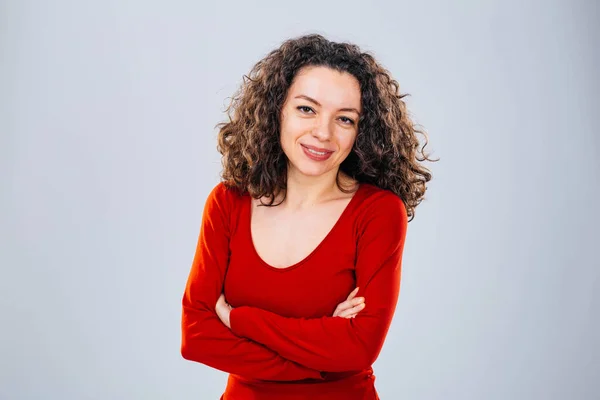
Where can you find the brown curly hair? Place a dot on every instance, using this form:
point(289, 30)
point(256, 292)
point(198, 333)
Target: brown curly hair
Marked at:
point(385, 152)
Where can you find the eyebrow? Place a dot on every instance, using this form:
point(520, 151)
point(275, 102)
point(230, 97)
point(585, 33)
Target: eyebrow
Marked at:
point(302, 96)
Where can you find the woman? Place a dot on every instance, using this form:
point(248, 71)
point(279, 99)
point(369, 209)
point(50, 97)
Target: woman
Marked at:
point(296, 273)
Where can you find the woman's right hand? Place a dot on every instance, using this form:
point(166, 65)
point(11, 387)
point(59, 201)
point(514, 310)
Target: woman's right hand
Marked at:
point(351, 307)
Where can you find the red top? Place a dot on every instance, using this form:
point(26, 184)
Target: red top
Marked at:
point(283, 342)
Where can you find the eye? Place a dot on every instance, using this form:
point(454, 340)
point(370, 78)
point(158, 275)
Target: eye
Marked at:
point(304, 108)
point(347, 120)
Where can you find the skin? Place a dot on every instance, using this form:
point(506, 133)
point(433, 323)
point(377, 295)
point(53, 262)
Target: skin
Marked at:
point(321, 109)
point(326, 125)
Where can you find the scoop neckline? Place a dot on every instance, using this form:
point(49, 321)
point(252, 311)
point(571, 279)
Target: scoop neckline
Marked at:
point(342, 216)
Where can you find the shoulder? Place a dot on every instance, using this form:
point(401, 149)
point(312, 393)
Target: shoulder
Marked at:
point(377, 200)
point(379, 209)
point(224, 197)
point(226, 190)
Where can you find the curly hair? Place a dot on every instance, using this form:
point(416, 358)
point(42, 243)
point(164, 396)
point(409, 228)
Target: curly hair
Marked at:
point(386, 150)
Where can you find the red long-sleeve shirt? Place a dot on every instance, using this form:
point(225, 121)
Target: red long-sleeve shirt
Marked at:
point(283, 342)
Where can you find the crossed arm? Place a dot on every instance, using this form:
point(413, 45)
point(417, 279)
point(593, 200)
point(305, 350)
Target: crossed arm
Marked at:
point(205, 338)
point(264, 345)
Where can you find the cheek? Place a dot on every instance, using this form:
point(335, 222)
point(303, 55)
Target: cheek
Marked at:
point(346, 143)
point(291, 131)
point(296, 126)
point(287, 137)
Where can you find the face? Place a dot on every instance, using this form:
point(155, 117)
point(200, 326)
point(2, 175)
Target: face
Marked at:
point(319, 120)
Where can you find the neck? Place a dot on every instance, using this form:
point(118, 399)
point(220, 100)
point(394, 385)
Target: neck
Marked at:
point(306, 191)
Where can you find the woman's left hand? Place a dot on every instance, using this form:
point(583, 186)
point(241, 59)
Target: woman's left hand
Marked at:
point(223, 310)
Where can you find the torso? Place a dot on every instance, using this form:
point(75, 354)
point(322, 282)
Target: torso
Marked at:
point(301, 266)
point(284, 237)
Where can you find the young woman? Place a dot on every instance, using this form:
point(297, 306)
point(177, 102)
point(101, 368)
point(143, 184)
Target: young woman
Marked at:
point(296, 273)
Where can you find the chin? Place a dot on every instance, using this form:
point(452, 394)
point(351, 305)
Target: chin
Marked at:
point(310, 170)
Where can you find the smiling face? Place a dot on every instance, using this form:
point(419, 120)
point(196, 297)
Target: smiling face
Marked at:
point(319, 120)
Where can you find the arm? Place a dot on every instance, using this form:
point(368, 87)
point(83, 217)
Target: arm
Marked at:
point(341, 344)
point(204, 337)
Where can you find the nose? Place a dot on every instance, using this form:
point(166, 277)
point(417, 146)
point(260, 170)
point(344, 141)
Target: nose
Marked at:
point(322, 129)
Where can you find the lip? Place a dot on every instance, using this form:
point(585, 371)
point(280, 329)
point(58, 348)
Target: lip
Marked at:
point(316, 157)
point(319, 149)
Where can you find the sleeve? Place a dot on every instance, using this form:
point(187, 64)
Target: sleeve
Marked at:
point(340, 344)
point(205, 339)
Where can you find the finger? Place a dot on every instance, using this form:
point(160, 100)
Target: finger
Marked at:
point(222, 302)
point(356, 301)
point(352, 294)
point(352, 303)
point(348, 315)
point(341, 307)
point(348, 304)
point(353, 310)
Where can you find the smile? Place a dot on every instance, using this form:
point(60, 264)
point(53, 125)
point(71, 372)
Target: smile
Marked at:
point(315, 154)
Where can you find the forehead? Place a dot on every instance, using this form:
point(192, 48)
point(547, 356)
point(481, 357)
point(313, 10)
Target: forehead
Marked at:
point(329, 87)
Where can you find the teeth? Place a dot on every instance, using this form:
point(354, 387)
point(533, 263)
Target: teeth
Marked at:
point(316, 152)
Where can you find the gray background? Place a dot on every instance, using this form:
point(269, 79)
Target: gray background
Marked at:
point(108, 153)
